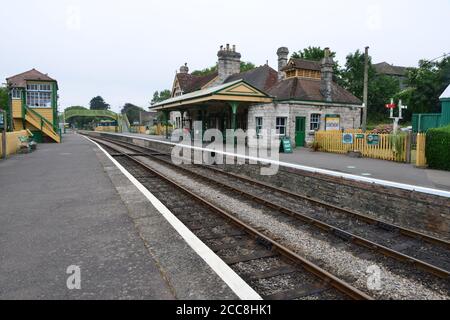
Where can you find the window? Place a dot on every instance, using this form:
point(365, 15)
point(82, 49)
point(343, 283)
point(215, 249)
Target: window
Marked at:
point(281, 126)
point(259, 124)
point(16, 93)
point(39, 95)
point(314, 121)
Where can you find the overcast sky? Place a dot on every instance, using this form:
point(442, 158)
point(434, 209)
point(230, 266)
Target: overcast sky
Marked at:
point(125, 50)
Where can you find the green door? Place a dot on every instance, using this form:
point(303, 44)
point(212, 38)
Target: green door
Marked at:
point(300, 131)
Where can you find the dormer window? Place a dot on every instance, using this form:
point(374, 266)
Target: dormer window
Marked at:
point(302, 68)
point(303, 73)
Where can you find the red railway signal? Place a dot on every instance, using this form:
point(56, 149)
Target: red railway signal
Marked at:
point(391, 106)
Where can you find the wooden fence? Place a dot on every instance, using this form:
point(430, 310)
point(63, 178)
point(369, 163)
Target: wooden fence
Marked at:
point(421, 160)
point(389, 147)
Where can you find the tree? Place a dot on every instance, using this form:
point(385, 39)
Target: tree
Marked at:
point(76, 108)
point(247, 66)
point(4, 98)
point(353, 73)
point(97, 103)
point(205, 72)
point(4, 102)
point(426, 84)
point(312, 53)
point(160, 96)
point(132, 112)
point(381, 88)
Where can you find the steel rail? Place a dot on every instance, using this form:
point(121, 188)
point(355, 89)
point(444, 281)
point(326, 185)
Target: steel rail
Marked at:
point(327, 277)
point(358, 240)
point(362, 217)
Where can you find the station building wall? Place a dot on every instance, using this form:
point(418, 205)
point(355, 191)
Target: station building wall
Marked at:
point(350, 117)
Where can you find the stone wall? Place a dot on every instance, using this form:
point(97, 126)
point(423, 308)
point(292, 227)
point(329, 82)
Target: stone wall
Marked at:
point(350, 116)
point(414, 210)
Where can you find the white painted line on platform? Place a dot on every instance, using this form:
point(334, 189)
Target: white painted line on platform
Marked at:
point(409, 187)
point(236, 283)
point(366, 174)
point(351, 167)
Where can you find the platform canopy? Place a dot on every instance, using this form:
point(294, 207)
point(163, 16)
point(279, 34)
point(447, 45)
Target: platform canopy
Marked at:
point(237, 91)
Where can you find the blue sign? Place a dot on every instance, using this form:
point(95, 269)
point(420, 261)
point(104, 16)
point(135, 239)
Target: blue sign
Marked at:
point(347, 138)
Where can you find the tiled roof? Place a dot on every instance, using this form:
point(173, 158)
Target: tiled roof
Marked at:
point(309, 90)
point(302, 64)
point(20, 79)
point(386, 68)
point(189, 82)
point(263, 77)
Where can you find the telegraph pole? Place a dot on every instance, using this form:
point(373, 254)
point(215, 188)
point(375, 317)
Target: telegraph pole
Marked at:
point(365, 93)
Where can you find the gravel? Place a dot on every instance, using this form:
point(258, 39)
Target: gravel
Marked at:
point(341, 261)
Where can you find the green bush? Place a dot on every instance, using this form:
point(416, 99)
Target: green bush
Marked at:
point(438, 148)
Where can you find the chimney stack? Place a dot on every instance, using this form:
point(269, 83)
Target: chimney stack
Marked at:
point(184, 69)
point(229, 62)
point(282, 54)
point(326, 75)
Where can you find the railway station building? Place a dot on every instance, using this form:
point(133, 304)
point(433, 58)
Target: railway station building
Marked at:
point(297, 99)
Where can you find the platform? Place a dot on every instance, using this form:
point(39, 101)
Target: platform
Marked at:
point(365, 167)
point(68, 204)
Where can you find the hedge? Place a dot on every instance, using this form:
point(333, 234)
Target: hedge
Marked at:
point(437, 148)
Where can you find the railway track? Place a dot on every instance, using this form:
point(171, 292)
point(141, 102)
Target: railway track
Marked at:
point(425, 252)
point(262, 194)
point(273, 270)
